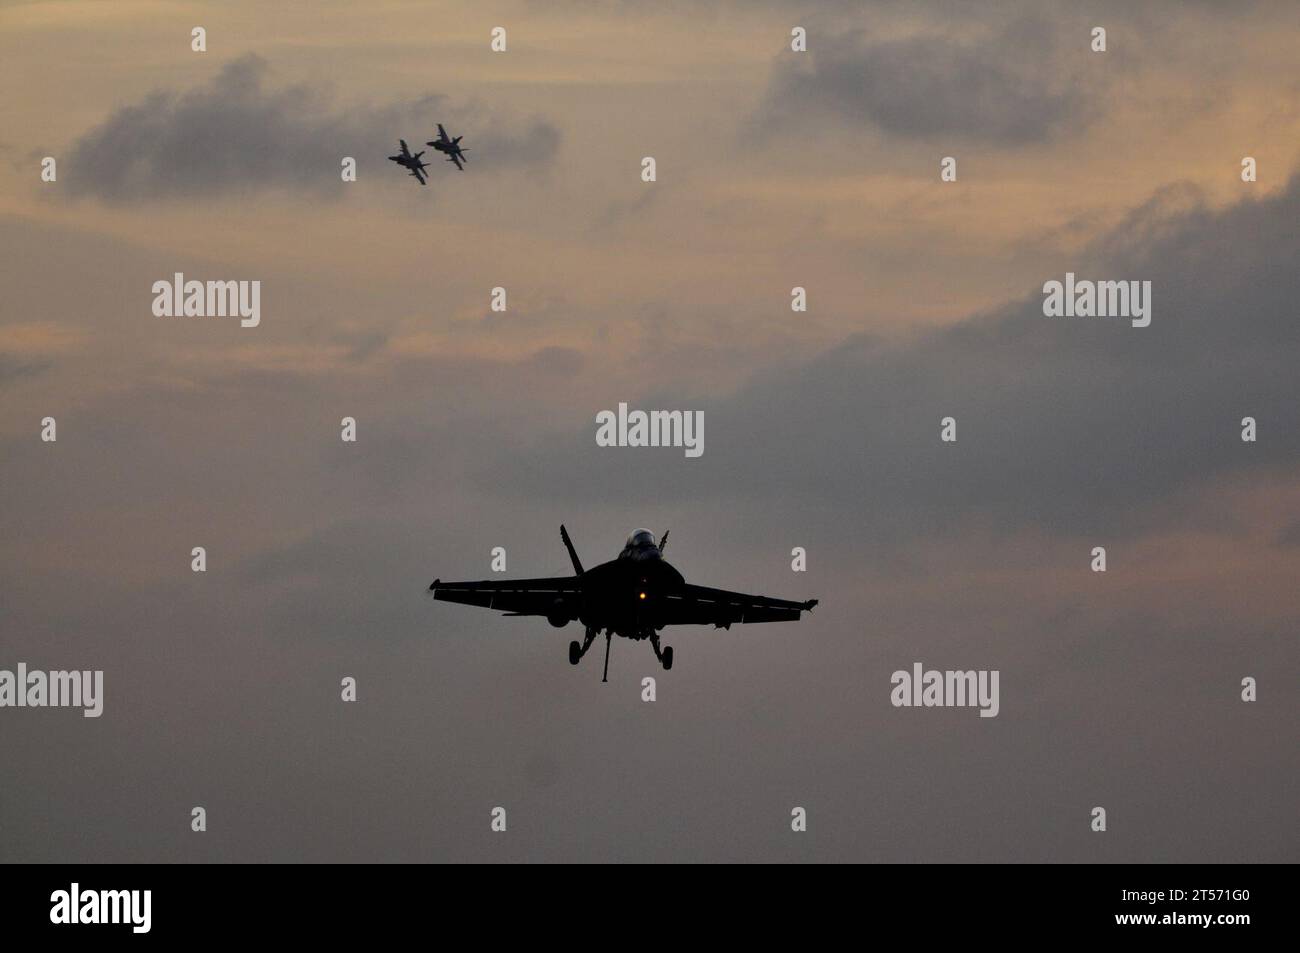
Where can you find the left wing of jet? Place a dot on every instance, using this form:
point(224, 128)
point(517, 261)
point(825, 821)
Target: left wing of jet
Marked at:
point(700, 605)
point(512, 596)
point(456, 159)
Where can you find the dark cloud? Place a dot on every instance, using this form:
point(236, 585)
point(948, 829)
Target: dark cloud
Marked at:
point(1289, 535)
point(1074, 424)
point(1005, 88)
point(241, 133)
point(14, 368)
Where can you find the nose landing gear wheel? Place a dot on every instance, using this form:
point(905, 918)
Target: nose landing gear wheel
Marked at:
point(668, 658)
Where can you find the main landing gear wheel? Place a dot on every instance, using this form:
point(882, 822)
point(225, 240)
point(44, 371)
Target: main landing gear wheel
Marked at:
point(576, 651)
point(665, 656)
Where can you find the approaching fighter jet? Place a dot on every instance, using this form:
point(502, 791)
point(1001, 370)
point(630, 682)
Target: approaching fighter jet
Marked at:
point(634, 596)
point(411, 162)
point(444, 143)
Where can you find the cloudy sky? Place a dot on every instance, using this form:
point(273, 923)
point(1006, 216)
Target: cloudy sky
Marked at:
point(476, 429)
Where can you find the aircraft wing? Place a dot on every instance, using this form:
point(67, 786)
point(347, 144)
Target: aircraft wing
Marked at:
point(442, 134)
point(419, 175)
point(405, 151)
point(512, 596)
point(456, 159)
point(700, 605)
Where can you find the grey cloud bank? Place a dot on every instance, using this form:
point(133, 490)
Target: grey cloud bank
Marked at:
point(1009, 88)
point(241, 133)
point(1069, 425)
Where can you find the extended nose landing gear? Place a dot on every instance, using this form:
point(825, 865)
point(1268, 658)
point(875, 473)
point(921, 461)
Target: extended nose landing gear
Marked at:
point(576, 651)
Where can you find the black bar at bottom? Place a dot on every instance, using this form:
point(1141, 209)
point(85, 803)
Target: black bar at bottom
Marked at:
point(376, 902)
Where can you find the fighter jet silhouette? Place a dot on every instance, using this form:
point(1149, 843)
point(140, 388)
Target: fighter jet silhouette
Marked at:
point(634, 596)
point(450, 147)
point(411, 162)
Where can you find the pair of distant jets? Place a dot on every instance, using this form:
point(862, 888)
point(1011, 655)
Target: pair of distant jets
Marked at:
point(444, 144)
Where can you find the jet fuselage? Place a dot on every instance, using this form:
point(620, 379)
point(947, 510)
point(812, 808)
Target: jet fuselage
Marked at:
point(625, 594)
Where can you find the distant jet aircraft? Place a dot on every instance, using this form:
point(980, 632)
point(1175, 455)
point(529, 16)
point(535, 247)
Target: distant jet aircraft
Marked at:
point(634, 596)
point(411, 162)
point(444, 143)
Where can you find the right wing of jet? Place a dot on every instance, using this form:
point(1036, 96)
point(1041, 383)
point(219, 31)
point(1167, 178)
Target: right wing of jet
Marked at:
point(512, 596)
point(442, 134)
point(700, 605)
point(419, 175)
point(456, 159)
